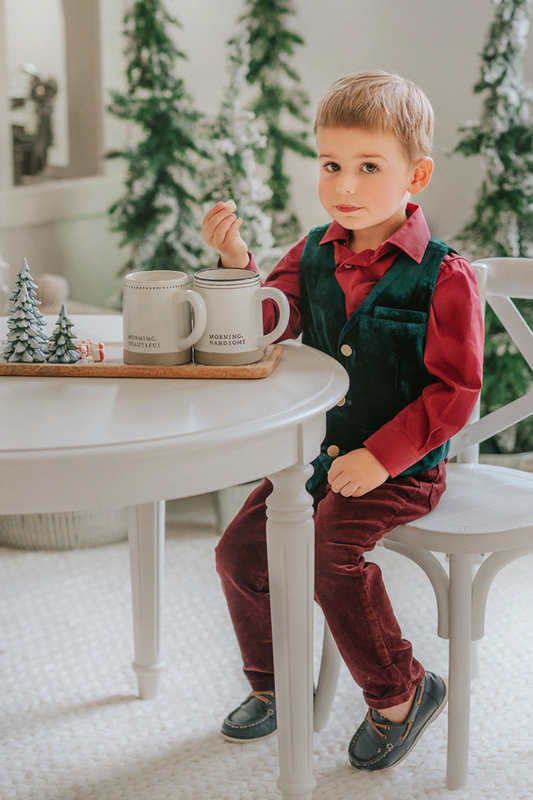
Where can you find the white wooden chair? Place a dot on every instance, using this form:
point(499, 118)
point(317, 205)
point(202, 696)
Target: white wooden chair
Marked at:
point(485, 510)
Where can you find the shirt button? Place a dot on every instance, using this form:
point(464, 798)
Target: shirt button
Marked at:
point(341, 402)
point(333, 451)
point(346, 350)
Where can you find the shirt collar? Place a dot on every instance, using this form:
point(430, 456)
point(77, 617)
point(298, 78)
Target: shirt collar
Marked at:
point(412, 237)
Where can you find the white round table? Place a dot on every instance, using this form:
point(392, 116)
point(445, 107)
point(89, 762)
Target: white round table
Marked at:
point(69, 444)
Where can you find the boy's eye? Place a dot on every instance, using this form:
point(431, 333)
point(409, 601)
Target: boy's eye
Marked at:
point(370, 168)
point(331, 166)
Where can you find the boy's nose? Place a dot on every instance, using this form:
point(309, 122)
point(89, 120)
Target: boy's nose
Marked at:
point(346, 185)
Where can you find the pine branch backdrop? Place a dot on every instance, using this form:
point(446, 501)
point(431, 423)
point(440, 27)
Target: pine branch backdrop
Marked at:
point(182, 159)
point(158, 214)
point(502, 222)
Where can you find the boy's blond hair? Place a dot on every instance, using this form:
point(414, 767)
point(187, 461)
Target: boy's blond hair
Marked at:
point(381, 102)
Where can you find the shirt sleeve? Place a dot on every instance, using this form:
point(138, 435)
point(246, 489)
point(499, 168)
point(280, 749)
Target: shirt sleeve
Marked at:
point(454, 357)
point(285, 276)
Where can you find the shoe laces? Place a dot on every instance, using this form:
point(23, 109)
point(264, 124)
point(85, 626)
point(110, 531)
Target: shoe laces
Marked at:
point(262, 696)
point(377, 725)
point(408, 722)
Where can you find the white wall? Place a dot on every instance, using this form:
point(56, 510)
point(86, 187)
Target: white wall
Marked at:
point(434, 42)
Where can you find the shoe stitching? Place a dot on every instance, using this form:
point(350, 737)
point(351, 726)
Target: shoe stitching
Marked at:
point(250, 725)
point(407, 732)
point(270, 713)
point(422, 687)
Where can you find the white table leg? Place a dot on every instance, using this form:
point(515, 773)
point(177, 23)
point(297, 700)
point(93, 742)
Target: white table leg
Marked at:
point(290, 542)
point(146, 534)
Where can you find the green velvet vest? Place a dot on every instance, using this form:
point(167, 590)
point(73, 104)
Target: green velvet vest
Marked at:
point(381, 346)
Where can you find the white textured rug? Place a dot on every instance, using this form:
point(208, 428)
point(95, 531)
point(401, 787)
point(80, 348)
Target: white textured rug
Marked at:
point(73, 729)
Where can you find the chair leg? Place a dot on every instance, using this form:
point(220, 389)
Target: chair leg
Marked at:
point(328, 678)
point(459, 670)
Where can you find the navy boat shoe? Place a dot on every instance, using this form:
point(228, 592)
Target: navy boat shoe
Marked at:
point(380, 744)
point(254, 719)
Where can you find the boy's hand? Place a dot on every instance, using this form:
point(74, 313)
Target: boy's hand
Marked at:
point(356, 473)
point(220, 230)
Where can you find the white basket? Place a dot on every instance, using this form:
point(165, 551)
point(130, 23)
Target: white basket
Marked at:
point(70, 530)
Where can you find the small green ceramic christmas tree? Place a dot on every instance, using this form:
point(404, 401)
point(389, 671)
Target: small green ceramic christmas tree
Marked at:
point(158, 214)
point(63, 348)
point(26, 342)
point(502, 223)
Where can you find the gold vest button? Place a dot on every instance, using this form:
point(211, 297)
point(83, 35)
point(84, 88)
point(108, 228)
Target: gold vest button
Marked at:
point(346, 350)
point(333, 451)
point(341, 402)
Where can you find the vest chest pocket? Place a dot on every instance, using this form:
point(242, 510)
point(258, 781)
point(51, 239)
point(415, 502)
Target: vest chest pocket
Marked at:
point(393, 339)
point(390, 360)
point(400, 315)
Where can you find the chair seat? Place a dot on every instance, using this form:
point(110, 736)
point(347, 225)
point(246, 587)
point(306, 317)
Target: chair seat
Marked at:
point(480, 503)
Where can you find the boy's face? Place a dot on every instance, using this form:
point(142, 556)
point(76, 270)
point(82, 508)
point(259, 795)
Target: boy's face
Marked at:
point(365, 182)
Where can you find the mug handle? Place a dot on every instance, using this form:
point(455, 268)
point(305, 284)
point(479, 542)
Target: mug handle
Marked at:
point(269, 292)
point(200, 316)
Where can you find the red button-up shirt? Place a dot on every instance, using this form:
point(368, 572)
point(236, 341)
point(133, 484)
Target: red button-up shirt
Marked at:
point(454, 343)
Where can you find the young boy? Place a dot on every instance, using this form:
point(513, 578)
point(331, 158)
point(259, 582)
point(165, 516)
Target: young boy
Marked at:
point(401, 311)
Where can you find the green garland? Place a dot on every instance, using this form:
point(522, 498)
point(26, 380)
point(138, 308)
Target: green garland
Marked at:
point(158, 215)
point(279, 99)
point(168, 168)
point(502, 223)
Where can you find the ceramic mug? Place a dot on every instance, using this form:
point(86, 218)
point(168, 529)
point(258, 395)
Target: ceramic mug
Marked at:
point(157, 321)
point(234, 330)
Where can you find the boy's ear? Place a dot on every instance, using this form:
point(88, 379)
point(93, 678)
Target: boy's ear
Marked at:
point(421, 175)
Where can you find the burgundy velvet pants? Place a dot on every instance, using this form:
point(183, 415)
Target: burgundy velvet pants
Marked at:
point(348, 588)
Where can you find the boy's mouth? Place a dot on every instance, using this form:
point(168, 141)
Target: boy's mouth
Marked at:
point(347, 209)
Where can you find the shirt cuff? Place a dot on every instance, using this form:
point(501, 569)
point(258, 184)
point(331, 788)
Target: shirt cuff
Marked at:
point(393, 449)
point(250, 265)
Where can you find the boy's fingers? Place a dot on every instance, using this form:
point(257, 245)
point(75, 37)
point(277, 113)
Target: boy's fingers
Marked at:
point(348, 490)
point(224, 227)
point(225, 218)
point(218, 222)
point(212, 211)
point(338, 482)
point(236, 224)
point(219, 211)
point(334, 471)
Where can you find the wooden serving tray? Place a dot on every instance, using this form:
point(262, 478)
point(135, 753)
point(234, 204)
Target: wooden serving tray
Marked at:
point(113, 367)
